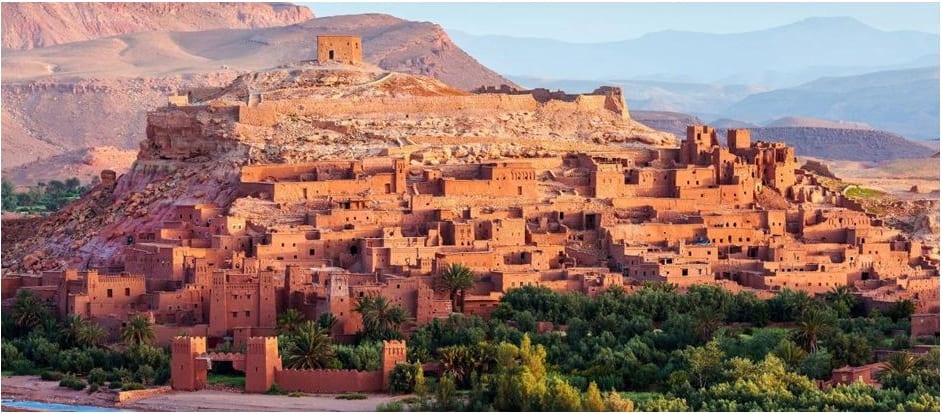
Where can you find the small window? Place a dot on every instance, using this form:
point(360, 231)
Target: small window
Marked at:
point(127, 291)
point(248, 313)
point(110, 294)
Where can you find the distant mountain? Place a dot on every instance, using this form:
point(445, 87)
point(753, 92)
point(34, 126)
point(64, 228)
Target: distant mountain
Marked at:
point(30, 25)
point(902, 101)
point(799, 121)
point(779, 56)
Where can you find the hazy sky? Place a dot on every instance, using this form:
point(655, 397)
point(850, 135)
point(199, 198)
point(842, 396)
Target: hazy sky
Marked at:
point(599, 22)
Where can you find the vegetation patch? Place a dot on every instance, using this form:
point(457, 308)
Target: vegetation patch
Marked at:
point(352, 396)
point(858, 192)
point(229, 380)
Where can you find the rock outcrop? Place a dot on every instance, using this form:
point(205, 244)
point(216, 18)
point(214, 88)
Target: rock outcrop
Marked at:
point(32, 25)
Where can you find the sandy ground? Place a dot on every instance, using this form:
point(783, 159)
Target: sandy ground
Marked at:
point(32, 388)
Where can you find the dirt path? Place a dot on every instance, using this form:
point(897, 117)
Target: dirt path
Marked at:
point(207, 400)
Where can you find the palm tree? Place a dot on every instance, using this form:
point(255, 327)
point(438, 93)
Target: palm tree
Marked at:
point(813, 323)
point(902, 363)
point(707, 320)
point(380, 320)
point(457, 278)
point(29, 312)
point(309, 348)
point(327, 321)
point(83, 332)
point(137, 331)
point(791, 354)
point(842, 299)
point(289, 322)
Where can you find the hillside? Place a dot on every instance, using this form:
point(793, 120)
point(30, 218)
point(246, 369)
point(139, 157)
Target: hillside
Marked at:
point(800, 121)
point(32, 25)
point(672, 122)
point(47, 92)
point(903, 101)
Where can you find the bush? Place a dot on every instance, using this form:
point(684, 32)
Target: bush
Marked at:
point(51, 376)
point(74, 361)
point(352, 396)
point(72, 382)
point(97, 376)
point(132, 386)
point(120, 375)
point(296, 394)
point(22, 367)
point(114, 385)
point(10, 353)
point(402, 378)
point(390, 406)
point(145, 374)
point(92, 388)
point(275, 390)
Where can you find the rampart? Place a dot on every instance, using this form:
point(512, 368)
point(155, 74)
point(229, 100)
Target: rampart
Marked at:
point(329, 380)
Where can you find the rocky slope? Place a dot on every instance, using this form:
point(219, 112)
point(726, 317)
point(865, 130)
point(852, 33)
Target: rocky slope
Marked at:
point(84, 164)
point(32, 25)
point(205, 169)
point(95, 93)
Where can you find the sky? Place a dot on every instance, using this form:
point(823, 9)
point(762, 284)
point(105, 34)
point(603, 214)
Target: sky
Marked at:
point(601, 22)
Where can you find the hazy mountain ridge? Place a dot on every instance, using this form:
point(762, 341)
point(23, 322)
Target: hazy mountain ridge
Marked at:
point(903, 101)
point(843, 46)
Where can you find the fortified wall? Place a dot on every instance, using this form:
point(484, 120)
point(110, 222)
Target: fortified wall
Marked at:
point(262, 366)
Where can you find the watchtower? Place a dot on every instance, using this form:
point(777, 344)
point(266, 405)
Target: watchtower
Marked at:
point(185, 375)
point(394, 352)
point(261, 362)
point(738, 139)
point(339, 48)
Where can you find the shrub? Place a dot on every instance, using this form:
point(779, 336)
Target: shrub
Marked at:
point(72, 382)
point(296, 394)
point(132, 386)
point(145, 374)
point(22, 367)
point(51, 376)
point(402, 378)
point(275, 390)
point(97, 376)
point(390, 406)
point(113, 385)
point(352, 396)
point(92, 388)
point(10, 353)
point(119, 375)
point(74, 361)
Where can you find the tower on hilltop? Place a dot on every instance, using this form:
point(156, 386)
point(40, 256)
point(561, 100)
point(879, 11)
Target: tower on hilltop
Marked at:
point(339, 48)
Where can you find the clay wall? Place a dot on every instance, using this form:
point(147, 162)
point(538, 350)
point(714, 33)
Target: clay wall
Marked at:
point(165, 334)
point(344, 49)
point(112, 295)
point(329, 381)
point(926, 324)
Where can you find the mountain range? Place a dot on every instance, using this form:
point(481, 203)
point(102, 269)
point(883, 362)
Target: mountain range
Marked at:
point(776, 57)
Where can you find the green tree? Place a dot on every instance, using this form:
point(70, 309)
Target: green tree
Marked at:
point(83, 332)
point(309, 348)
point(457, 278)
point(9, 196)
point(593, 399)
point(289, 321)
point(901, 309)
point(381, 320)
point(138, 330)
point(901, 363)
point(327, 321)
point(791, 354)
point(704, 362)
point(814, 323)
point(29, 312)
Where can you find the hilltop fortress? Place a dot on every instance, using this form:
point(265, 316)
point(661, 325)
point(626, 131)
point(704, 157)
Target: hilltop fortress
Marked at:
point(308, 187)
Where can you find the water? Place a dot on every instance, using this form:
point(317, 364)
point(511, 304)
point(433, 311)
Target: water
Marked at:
point(44, 406)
